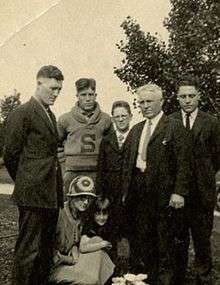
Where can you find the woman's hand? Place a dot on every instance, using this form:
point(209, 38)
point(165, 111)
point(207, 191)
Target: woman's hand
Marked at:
point(59, 258)
point(106, 244)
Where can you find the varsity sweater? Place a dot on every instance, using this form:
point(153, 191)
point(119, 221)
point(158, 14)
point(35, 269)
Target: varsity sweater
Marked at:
point(82, 136)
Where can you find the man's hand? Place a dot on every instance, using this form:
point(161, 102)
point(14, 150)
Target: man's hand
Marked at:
point(176, 201)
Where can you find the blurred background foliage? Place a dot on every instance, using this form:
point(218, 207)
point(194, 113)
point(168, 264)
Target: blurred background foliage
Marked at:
point(193, 47)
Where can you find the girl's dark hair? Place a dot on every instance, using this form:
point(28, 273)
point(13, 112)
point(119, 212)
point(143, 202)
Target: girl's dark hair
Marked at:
point(101, 204)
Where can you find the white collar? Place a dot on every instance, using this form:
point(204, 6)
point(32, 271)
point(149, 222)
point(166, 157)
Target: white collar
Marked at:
point(192, 115)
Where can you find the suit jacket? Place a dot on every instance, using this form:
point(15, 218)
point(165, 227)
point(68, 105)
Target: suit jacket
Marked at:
point(204, 146)
point(109, 169)
point(30, 156)
point(167, 161)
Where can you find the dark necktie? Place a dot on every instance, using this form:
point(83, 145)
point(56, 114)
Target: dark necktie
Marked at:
point(188, 121)
point(52, 118)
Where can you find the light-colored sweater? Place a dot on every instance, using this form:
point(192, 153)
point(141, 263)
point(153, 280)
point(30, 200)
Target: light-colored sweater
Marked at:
point(81, 136)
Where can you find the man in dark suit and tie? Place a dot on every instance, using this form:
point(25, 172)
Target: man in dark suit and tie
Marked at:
point(30, 157)
point(203, 131)
point(151, 181)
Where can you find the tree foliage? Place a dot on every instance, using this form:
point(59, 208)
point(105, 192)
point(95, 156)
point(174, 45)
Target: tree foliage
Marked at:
point(194, 33)
point(7, 105)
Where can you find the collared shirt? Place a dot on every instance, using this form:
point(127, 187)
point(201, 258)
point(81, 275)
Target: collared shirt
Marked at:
point(192, 117)
point(140, 163)
point(119, 134)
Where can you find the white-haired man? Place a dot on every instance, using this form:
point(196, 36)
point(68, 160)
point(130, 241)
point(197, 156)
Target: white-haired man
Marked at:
point(152, 181)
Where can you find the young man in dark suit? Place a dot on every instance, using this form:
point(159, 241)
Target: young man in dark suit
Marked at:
point(30, 157)
point(110, 163)
point(151, 181)
point(203, 139)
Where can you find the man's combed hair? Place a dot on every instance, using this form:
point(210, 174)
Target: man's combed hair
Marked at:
point(84, 83)
point(188, 81)
point(50, 71)
point(122, 104)
point(150, 88)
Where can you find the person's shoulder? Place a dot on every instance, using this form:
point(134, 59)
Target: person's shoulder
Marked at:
point(208, 116)
point(21, 111)
point(138, 126)
point(65, 118)
point(105, 116)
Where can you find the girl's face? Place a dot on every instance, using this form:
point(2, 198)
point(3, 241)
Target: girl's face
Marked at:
point(101, 217)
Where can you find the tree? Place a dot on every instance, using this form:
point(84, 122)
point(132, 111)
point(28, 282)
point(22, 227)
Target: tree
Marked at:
point(193, 45)
point(7, 105)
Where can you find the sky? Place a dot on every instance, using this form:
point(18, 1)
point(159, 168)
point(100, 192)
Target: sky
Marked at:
point(77, 36)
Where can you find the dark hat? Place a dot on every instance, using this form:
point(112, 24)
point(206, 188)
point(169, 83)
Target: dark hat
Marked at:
point(81, 185)
point(83, 83)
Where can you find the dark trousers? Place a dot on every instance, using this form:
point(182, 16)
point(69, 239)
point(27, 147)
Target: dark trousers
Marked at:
point(149, 235)
point(34, 246)
point(198, 221)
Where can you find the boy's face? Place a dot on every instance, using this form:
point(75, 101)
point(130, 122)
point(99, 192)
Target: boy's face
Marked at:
point(101, 217)
point(86, 99)
point(121, 118)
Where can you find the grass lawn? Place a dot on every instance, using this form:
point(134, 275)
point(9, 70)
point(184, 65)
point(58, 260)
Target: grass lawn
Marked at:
point(8, 225)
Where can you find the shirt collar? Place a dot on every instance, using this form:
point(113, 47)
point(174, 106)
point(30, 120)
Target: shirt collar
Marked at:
point(192, 115)
point(155, 119)
point(118, 133)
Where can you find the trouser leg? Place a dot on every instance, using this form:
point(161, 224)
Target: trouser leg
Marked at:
point(35, 240)
point(180, 245)
point(201, 229)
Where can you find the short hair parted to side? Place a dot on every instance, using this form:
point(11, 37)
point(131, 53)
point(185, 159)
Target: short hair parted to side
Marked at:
point(50, 71)
point(84, 83)
point(188, 80)
point(150, 88)
point(122, 104)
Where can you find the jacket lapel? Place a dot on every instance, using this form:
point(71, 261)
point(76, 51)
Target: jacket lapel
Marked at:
point(160, 126)
point(40, 112)
point(113, 141)
point(136, 139)
point(197, 126)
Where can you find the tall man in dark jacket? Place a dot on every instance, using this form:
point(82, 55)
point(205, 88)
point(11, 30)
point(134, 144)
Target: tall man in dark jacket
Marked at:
point(197, 215)
point(31, 159)
point(151, 181)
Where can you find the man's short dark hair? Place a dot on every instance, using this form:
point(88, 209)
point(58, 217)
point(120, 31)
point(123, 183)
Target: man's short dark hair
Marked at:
point(123, 104)
point(50, 71)
point(188, 81)
point(84, 83)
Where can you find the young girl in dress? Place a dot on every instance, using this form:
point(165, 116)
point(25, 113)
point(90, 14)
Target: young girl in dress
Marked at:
point(96, 238)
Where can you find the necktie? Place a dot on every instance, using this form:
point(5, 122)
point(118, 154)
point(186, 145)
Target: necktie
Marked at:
point(188, 121)
point(120, 140)
point(52, 118)
point(146, 141)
